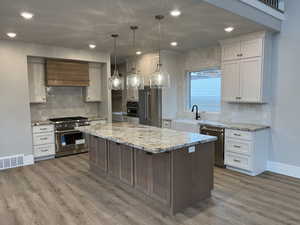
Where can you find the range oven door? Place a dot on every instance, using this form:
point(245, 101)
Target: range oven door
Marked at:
point(70, 142)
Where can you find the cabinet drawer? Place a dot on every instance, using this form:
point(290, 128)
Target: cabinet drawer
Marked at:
point(241, 147)
point(43, 138)
point(237, 134)
point(238, 161)
point(44, 150)
point(42, 129)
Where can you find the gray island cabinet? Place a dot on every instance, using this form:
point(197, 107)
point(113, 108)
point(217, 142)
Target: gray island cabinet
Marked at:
point(171, 175)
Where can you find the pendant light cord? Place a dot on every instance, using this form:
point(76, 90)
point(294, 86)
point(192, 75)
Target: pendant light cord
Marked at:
point(115, 50)
point(133, 44)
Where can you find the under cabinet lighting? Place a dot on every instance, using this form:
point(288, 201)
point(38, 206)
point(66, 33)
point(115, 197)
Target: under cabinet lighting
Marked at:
point(138, 53)
point(174, 43)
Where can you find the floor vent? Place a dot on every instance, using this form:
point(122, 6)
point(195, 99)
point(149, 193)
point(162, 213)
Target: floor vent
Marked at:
point(11, 162)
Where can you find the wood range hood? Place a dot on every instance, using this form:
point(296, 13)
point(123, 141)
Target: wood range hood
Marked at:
point(64, 73)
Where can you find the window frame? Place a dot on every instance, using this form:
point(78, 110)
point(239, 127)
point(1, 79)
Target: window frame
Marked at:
point(188, 106)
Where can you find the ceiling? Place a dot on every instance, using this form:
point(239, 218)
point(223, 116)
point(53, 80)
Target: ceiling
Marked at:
point(76, 23)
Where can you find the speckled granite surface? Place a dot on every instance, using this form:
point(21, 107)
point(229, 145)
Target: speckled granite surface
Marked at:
point(147, 138)
point(234, 126)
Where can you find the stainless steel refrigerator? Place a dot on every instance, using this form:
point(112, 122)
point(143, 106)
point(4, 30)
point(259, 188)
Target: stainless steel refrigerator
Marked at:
point(150, 106)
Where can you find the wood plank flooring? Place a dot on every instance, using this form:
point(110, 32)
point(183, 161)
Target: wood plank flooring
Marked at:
point(62, 191)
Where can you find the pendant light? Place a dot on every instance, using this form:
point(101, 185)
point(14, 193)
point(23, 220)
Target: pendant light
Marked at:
point(160, 78)
point(134, 80)
point(116, 82)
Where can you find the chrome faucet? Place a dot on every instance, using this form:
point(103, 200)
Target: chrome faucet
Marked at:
point(197, 111)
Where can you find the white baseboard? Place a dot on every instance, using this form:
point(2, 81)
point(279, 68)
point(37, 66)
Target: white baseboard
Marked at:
point(284, 169)
point(28, 160)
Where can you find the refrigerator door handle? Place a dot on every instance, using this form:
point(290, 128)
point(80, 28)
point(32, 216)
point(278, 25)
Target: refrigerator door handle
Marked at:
point(146, 105)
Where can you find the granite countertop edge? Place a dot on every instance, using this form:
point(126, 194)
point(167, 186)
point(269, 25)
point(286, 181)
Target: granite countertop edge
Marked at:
point(236, 126)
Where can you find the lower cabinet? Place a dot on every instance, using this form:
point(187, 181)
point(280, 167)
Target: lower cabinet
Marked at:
point(153, 175)
point(98, 152)
point(161, 177)
point(114, 159)
point(146, 172)
point(120, 162)
point(247, 152)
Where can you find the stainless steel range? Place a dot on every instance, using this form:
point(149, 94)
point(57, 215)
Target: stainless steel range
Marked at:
point(68, 140)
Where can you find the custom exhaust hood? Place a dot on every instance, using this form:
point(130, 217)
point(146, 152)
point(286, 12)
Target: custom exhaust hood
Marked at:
point(67, 73)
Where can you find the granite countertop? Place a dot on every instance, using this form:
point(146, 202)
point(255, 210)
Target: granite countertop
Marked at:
point(147, 138)
point(225, 124)
point(235, 126)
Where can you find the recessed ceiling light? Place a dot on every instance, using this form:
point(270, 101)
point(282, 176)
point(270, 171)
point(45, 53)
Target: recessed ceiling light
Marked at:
point(229, 29)
point(173, 43)
point(138, 53)
point(27, 15)
point(175, 13)
point(92, 46)
point(11, 35)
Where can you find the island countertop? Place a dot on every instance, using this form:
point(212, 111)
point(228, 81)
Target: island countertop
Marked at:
point(146, 138)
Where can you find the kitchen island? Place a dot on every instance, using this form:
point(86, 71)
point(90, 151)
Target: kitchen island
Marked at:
point(170, 170)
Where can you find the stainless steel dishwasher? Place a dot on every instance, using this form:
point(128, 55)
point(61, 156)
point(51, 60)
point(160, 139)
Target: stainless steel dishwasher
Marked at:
point(219, 144)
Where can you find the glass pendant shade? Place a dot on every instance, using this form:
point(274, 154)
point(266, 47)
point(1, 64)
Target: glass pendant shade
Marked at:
point(135, 81)
point(160, 78)
point(116, 82)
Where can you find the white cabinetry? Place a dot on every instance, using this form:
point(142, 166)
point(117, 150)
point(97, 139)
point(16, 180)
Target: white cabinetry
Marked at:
point(246, 152)
point(43, 142)
point(93, 91)
point(246, 68)
point(36, 80)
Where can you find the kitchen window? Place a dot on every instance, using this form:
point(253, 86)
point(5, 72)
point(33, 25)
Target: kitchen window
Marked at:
point(205, 90)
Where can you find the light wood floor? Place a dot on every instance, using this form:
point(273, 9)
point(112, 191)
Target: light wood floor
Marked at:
point(62, 191)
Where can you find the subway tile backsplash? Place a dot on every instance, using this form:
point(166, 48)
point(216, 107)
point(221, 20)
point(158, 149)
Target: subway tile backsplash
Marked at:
point(62, 102)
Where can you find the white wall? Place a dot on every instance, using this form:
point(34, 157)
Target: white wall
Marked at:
point(286, 107)
point(15, 122)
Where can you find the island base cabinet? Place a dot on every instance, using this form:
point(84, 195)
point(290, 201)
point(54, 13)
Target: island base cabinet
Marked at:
point(98, 153)
point(192, 176)
point(170, 181)
point(153, 175)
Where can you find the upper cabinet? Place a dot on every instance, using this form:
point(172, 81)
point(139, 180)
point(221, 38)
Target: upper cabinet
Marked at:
point(67, 73)
point(36, 80)
point(246, 69)
point(94, 91)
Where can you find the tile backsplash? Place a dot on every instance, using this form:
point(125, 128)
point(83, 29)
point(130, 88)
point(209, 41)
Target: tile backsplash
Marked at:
point(62, 102)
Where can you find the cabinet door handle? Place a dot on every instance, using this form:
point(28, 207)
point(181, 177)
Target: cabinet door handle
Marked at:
point(237, 146)
point(45, 138)
point(236, 160)
point(237, 134)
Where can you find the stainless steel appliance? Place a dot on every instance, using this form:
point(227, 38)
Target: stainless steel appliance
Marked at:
point(219, 144)
point(68, 140)
point(132, 109)
point(150, 106)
